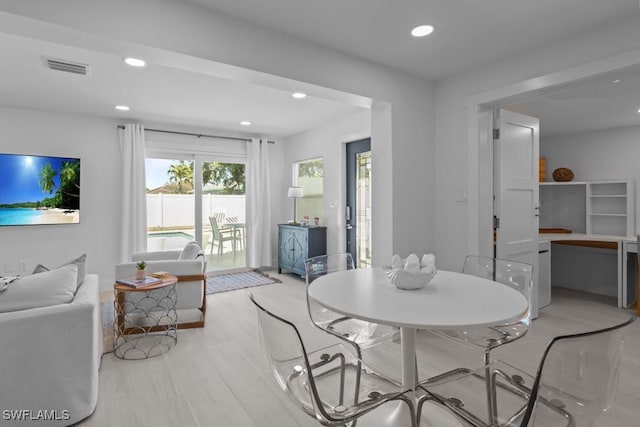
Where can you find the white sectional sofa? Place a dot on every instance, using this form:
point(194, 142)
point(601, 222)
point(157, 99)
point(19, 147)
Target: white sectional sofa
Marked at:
point(49, 360)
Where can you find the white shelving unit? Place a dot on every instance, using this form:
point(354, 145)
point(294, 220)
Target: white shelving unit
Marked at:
point(590, 207)
point(610, 208)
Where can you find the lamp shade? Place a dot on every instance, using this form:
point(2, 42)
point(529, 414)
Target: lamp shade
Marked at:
point(295, 192)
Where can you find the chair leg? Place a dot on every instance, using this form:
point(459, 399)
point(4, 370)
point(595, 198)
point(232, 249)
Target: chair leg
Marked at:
point(492, 404)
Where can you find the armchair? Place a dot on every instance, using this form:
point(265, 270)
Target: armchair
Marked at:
point(191, 289)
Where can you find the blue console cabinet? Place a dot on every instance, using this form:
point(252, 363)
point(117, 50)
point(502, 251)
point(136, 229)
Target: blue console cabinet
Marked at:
point(296, 243)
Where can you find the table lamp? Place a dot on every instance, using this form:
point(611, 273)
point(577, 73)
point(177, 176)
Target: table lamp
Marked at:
point(294, 193)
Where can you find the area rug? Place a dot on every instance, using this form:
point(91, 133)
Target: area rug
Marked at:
point(238, 280)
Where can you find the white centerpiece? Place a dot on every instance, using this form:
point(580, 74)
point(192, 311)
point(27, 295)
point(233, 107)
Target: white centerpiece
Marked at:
point(412, 273)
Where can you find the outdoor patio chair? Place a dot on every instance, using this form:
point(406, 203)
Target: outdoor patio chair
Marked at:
point(233, 223)
point(223, 234)
point(220, 217)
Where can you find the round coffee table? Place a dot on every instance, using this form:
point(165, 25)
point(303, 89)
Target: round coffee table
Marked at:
point(146, 319)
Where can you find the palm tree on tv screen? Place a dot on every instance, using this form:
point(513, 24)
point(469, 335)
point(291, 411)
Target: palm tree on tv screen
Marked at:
point(70, 185)
point(70, 176)
point(68, 195)
point(47, 174)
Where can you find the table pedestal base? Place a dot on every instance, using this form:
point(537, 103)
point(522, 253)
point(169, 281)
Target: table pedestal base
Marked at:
point(396, 413)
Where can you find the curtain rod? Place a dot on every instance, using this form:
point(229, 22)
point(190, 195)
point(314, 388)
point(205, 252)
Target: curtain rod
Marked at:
point(199, 135)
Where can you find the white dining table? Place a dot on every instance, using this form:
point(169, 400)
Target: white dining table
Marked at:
point(451, 300)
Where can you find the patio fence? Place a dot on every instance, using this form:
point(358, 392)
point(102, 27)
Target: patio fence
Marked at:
point(178, 210)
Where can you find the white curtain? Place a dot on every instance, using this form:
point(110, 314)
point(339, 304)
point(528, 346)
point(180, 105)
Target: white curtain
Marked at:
point(133, 236)
point(258, 204)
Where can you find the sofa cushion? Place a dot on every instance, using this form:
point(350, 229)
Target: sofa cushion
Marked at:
point(81, 262)
point(40, 290)
point(190, 251)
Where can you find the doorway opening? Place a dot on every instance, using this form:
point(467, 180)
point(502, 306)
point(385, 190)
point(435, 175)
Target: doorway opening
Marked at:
point(480, 129)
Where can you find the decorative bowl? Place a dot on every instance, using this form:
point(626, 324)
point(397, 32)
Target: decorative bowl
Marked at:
point(562, 175)
point(405, 280)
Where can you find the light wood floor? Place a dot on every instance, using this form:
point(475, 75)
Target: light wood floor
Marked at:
point(218, 376)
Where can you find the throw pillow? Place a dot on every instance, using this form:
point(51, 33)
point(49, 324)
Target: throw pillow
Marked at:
point(40, 290)
point(81, 262)
point(39, 269)
point(190, 251)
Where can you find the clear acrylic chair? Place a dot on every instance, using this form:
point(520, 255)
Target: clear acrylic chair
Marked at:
point(364, 334)
point(331, 384)
point(576, 381)
point(516, 275)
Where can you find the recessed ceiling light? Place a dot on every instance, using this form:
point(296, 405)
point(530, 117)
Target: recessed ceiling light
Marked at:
point(617, 81)
point(299, 95)
point(245, 123)
point(135, 62)
point(122, 108)
point(638, 110)
point(422, 31)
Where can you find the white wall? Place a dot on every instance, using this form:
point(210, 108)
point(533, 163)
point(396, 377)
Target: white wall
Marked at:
point(405, 143)
point(95, 142)
point(601, 155)
point(328, 142)
point(451, 115)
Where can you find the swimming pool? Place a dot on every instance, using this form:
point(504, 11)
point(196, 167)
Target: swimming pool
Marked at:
point(167, 240)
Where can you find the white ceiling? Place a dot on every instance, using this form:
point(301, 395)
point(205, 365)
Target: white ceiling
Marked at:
point(154, 93)
point(599, 103)
point(468, 33)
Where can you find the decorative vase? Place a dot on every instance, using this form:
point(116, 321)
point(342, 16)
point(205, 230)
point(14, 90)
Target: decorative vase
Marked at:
point(141, 274)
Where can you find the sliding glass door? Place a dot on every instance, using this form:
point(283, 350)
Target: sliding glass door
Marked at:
point(223, 214)
point(192, 197)
point(170, 203)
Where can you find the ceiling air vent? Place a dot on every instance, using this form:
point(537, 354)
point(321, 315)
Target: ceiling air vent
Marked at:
point(66, 66)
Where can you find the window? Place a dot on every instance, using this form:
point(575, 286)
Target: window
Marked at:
point(308, 174)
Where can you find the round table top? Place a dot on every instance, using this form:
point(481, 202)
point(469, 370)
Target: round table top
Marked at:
point(165, 281)
point(450, 300)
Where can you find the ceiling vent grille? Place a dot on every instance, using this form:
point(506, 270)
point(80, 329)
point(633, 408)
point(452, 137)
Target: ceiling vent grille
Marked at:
point(66, 66)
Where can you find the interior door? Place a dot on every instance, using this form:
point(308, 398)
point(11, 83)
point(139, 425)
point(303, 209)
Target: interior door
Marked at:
point(358, 206)
point(516, 208)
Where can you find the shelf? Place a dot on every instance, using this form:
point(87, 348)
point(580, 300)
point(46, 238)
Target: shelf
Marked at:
point(590, 207)
point(553, 183)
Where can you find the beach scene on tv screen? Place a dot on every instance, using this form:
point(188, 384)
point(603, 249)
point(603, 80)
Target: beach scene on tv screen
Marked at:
point(39, 190)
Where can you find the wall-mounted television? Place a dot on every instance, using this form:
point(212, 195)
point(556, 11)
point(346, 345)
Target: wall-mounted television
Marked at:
point(39, 190)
